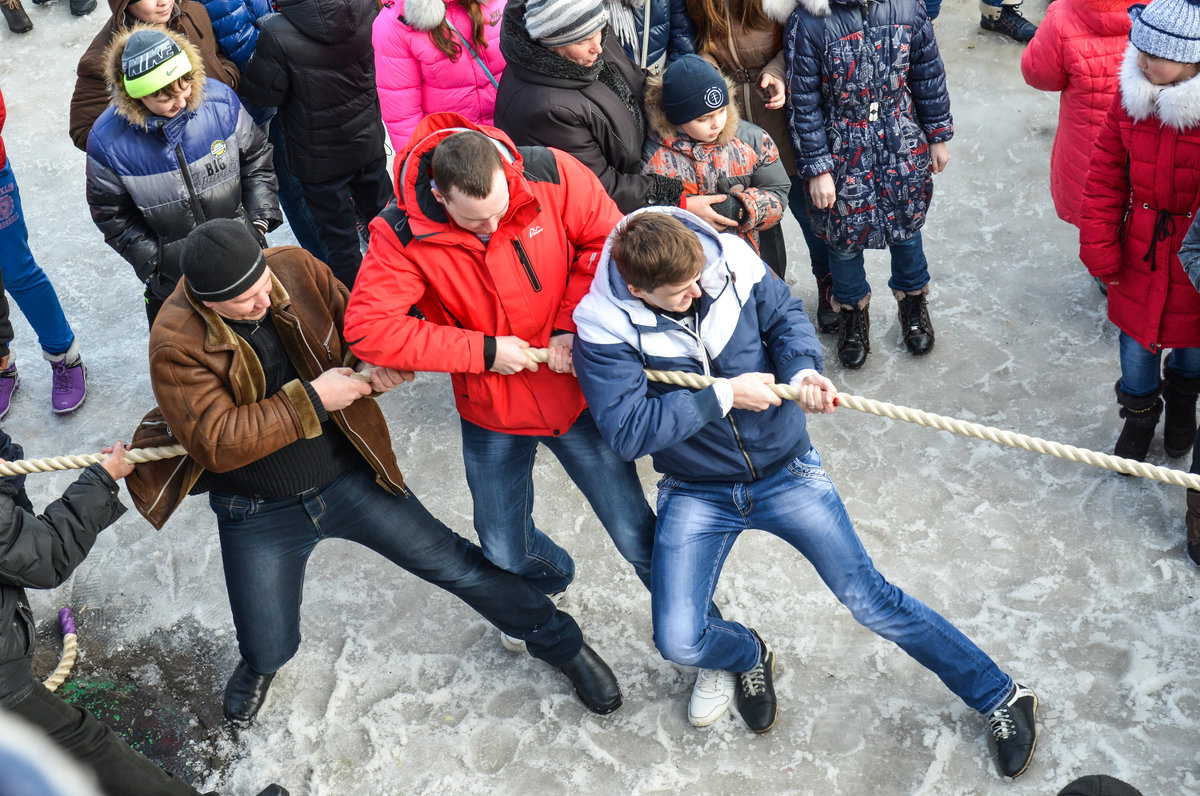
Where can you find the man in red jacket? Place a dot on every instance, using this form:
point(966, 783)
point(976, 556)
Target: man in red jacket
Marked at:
point(495, 245)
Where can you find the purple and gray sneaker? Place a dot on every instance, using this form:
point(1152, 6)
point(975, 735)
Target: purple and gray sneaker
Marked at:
point(9, 382)
point(70, 385)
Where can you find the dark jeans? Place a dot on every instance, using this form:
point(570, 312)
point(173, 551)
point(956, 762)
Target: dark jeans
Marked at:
point(818, 252)
point(337, 206)
point(120, 770)
point(265, 545)
point(299, 217)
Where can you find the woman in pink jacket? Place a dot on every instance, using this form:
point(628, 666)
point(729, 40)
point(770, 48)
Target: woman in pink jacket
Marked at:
point(1077, 51)
point(436, 55)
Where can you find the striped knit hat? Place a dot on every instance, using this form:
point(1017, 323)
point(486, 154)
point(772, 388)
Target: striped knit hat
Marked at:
point(553, 23)
point(1167, 29)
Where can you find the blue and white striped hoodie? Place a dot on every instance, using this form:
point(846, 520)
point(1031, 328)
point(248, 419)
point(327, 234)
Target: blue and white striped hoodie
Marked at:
point(748, 322)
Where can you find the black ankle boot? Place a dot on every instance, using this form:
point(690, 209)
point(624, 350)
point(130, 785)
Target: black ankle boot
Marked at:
point(1191, 521)
point(915, 324)
point(1179, 424)
point(854, 336)
point(1141, 413)
point(14, 14)
point(595, 684)
point(827, 317)
point(80, 8)
point(245, 693)
point(1010, 23)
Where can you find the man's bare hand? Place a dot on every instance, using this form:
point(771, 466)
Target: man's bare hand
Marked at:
point(115, 464)
point(559, 357)
point(511, 357)
point(752, 391)
point(338, 388)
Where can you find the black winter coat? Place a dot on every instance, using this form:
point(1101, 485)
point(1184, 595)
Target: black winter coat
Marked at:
point(866, 97)
point(40, 552)
point(545, 100)
point(314, 61)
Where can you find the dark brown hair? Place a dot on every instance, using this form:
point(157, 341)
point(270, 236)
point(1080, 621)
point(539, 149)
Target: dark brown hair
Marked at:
point(712, 24)
point(449, 44)
point(467, 161)
point(655, 249)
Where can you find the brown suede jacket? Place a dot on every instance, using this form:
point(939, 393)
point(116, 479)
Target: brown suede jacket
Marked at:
point(209, 386)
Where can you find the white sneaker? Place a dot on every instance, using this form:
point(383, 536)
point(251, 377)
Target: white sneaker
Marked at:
point(712, 696)
point(514, 644)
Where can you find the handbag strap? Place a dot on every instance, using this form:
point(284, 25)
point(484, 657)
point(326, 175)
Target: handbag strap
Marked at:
point(473, 54)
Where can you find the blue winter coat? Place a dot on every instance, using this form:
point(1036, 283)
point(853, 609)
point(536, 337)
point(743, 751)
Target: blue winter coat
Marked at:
point(672, 32)
point(234, 23)
point(748, 322)
point(866, 97)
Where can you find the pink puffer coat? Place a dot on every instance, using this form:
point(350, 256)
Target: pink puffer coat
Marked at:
point(1077, 51)
point(415, 78)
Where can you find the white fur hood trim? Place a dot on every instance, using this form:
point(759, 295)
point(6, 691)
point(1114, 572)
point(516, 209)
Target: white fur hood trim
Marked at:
point(779, 10)
point(1177, 106)
point(424, 14)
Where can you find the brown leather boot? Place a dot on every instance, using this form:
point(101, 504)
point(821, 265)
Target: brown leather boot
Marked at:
point(14, 14)
point(1191, 521)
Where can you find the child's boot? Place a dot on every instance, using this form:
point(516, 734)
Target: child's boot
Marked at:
point(827, 317)
point(1141, 413)
point(14, 14)
point(1179, 424)
point(915, 325)
point(1191, 521)
point(80, 8)
point(1007, 20)
point(69, 389)
point(854, 332)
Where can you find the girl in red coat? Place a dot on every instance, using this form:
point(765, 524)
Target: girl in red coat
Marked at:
point(1142, 190)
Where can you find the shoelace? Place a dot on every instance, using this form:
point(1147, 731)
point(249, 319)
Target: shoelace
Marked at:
point(1001, 724)
point(854, 325)
point(62, 379)
point(754, 682)
point(910, 310)
point(710, 681)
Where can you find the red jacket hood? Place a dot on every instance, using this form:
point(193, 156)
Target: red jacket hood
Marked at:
point(1105, 17)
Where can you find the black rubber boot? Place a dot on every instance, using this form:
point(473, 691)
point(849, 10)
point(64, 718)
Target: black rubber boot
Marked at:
point(14, 14)
point(1141, 413)
point(827, 316)
point(1179, 424)
point(854, 334)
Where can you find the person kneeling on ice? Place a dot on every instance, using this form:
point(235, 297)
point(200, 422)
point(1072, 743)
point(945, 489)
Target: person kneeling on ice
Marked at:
point(671, 293)
point(255, 380)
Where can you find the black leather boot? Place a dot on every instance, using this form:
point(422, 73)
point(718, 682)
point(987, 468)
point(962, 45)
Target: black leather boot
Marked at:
point(82, 8)
point(915, 324)
point(1191, 521)
point(1141, 413)
point(594, 682)
point(245, 694)
point(854, 335)
point(827, 317)
point(1179, 423)
point(14, 14)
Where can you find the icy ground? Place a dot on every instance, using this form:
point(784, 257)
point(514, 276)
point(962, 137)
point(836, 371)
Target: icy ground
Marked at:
point(1073, 578)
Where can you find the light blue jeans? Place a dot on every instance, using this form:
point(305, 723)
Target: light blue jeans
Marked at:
point(698, 522)
point(1141, 368)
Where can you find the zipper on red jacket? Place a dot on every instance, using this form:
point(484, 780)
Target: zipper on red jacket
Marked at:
point(193, 200)
point(528, 266)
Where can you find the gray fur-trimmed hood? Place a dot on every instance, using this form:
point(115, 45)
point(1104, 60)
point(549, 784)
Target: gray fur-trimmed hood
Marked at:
point(1176, 106)
point(779, 10)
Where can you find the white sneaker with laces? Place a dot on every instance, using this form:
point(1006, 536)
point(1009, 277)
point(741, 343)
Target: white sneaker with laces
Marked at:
point(711, 697)
point(514, 644)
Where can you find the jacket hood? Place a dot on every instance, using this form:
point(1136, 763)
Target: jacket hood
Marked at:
point(413, 178)
point(130, 109)
point(1105, 17)
point(426, 15)
point(818, 8)
point(327, 21)
point(668, 134)
point(1176, 106)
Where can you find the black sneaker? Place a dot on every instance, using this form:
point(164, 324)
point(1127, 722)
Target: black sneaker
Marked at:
point(1010, 23)
point(1014, 729)
point(756, 690)
point(915, 325)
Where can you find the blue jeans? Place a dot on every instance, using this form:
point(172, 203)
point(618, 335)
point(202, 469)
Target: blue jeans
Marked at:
point(818, 251)
point(910, 270)
point(23, 279)
point(265, 545)
point(697, 526)
point(1141, 368)
point(500, 475)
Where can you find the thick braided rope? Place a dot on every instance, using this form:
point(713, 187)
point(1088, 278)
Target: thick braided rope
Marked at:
point(78, 461)
point(943, 423)
point(69, 653)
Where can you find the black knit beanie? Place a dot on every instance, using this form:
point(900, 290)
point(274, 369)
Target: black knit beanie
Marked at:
point(221, 260)
point(691, 88)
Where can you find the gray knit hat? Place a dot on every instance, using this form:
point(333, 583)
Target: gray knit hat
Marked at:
point(553, 23)
point(1167, 29)
point(221, 260)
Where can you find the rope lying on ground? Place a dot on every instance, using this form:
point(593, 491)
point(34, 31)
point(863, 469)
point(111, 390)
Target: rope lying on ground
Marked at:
point(69, 653)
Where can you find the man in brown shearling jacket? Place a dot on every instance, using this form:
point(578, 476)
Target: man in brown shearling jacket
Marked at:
point(255, 380)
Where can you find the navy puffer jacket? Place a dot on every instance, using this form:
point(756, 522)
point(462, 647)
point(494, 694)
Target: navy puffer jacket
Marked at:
point(866, 97)
point(672, 32)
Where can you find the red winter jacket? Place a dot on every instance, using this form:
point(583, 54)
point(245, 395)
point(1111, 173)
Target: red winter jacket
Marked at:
point(525, 281)
point(1142, 191)
point(1077, 50)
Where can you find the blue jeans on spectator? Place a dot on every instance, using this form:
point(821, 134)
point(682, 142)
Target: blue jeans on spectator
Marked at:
point(698, 523)
point(1141, 368)
point(818, 251)
point(910, 270)
point(265, 545)
point(24, 280)
point(499, 470)
point(299, 217)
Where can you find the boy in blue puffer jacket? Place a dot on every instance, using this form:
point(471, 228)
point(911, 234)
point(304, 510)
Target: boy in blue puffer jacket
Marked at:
point(869, 116)
point(171, 151)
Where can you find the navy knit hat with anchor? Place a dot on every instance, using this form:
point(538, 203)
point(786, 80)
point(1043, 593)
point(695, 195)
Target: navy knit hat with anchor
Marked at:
point(691, 88)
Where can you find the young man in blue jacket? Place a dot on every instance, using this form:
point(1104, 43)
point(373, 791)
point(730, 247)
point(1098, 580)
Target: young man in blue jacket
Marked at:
point(673, 294)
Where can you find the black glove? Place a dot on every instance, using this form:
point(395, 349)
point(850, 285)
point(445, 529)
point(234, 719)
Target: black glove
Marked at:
point(732, 208)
